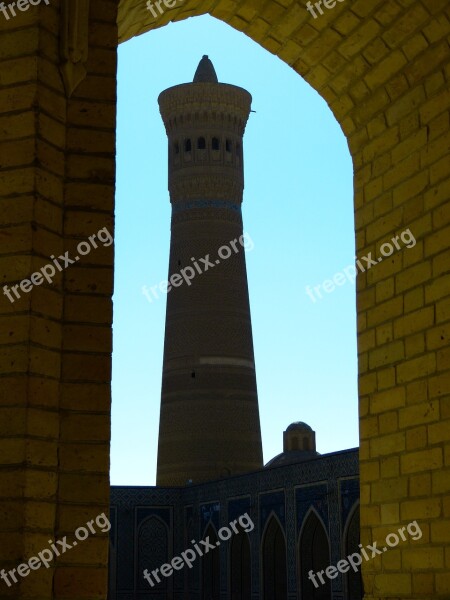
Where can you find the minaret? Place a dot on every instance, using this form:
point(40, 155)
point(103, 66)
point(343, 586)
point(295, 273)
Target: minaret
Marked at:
point(209, 424)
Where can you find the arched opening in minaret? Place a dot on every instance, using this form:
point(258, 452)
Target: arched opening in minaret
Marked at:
point(298, 212)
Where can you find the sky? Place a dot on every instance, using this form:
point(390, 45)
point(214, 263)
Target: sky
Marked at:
point(298, 212)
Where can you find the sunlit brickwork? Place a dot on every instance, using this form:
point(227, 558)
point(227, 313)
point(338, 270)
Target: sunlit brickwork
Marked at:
point(383, 68)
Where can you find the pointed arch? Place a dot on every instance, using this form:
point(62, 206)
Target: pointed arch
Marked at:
point(190, 574)
point(274, 563)
point(353, 581)
point(240, 568)
point(314, 555)
point(152, 550)
point(211, 566)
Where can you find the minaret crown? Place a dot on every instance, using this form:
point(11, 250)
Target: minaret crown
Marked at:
point(205, 122)
point(205, 72)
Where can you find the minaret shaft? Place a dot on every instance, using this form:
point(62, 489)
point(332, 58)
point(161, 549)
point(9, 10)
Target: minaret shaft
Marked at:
point(209, 423)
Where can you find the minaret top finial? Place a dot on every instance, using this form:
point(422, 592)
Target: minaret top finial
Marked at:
point(205, 72)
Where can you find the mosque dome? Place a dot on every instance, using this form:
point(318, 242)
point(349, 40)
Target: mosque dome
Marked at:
point(299, 426)
point(299, 444)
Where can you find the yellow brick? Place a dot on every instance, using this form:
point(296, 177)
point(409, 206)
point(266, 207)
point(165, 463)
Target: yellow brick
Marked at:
point(364, 494)
point(426, 412)
point(423, 584)
point(413, 322)
point(413, 276)
point(368, 427)
point(416, 438)
point(370, 471)
point(386, 141)
point(40, 515)
point(388, 422)
point(414, 299)
point(412, 187)
point(386, 378)
point(387, 354)
point(390, 513)
point(441, 482)
point(422, 558)
point(385, 289)
point(385, 69)
point(385, 311)
point(387, 444)
point(407, 167)
point(415, 510)
point(420, 485)
point(439, 432)
point(363, 404)
point(446, 503)
point(392, 584)
point(12, 451)
point(384, 334)
point(370, 515)
point(437, 194)
point(438, 336)
point(388, 400)
point(390, 467)
point(422, 461)
point(41, 485)
point(435, 106)
point(389, 490)
point(84, 457)
point(440, 385)
point(440, 531)
point(439, 170)
point(88, 427)
point(392, 560)
point(415, 368)
point(443, 584)
point(415, 344)
point(440, 263)
point(42, 453)
point(366, 385)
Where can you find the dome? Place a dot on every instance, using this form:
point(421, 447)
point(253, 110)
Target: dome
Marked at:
point(299, 426)
point(291, 457)
point(205, 72)
point(299, 444)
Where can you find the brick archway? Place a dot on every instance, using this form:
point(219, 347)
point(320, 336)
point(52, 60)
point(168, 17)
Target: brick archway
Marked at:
point(381, 65)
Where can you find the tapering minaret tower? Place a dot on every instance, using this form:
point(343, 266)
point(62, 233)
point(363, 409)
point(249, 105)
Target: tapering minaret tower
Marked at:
point(209, 423)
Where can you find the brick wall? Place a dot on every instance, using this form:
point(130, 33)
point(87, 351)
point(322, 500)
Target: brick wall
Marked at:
point(56, 188)
point(382, 66)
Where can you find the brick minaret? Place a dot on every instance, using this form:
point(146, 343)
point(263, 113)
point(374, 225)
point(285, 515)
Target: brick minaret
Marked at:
point(209, 424)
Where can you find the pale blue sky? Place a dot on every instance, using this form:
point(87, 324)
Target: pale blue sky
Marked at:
point(298, 210)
